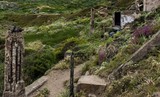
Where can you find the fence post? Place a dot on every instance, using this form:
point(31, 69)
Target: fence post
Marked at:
point(72, 75)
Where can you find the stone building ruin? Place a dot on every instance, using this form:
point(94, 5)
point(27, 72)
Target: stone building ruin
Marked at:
point(147, 5)
point(14, 50)
point(121, 19)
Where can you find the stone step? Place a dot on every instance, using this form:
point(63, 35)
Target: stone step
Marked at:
point(91, 84)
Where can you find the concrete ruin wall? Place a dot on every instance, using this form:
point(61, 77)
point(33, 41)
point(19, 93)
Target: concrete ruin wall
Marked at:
point(125, 19)
point(150, 5)
point(14, 50)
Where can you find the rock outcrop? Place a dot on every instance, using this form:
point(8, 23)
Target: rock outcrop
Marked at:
point(91, 84)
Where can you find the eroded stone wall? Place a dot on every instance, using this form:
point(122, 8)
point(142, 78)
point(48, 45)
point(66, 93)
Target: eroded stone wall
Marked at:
point(14, 50)
point(150, 5)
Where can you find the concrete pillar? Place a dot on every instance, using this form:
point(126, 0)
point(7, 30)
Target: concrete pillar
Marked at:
point(14, 51)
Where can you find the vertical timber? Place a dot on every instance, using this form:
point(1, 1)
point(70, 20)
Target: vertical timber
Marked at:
point(72, 76)
point(14, 50)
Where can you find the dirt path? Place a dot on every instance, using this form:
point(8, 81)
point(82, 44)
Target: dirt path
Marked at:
point(56, 79)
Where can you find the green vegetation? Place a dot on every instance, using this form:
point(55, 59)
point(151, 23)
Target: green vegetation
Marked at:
point(37, 63)
point(1, 69)
point(143, 80)
point(65, 93)
point(43, 93)
point(52, 27)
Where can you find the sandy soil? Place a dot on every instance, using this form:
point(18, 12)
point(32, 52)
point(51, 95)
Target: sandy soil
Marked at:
point(56, 79)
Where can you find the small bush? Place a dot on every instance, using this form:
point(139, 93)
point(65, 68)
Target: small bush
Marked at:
point(101, 55)
point(62, 65)
point(143, 31)
point(90, 65)
point(43, 93)
point(140, 35)
point(65, 93)
point(1, 70)
point(2, 41)
point(1, 77)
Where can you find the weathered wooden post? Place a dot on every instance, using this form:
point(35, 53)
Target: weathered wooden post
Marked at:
point(92, 21)
point(72, 75)
point(14, 50)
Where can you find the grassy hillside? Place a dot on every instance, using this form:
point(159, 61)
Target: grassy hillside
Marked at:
point(52, 27)
point(54, 6)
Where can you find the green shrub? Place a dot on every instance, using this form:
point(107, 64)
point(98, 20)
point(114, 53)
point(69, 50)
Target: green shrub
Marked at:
point(65, 93)
point(124, 3)
point(1, 70)
point(1, 77)
point(68, 44)
point(62, 65)
point(38, 63)
point(2, 41)
point(90, 65)
point(120, 58)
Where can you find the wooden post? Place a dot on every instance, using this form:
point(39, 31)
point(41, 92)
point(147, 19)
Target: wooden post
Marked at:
point(92, 21)
point(72, 75)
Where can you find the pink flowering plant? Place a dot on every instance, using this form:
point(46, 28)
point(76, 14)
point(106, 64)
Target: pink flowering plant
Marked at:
point(144, 31)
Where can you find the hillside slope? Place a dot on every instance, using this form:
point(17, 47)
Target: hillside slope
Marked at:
point(51, 28)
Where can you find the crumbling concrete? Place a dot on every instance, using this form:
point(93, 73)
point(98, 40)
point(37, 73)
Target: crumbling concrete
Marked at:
point(150, 5)
point(91, 84)
point(147, 5)
point(14, 50)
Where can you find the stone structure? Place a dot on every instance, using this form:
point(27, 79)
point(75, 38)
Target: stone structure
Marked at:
point(121, 19)
point(91, 84)
point(14, 50)
point(126, 19)
point(150, 5)
point(147, 5)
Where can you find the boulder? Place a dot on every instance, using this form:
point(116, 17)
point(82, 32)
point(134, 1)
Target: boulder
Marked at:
point(91, 84)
